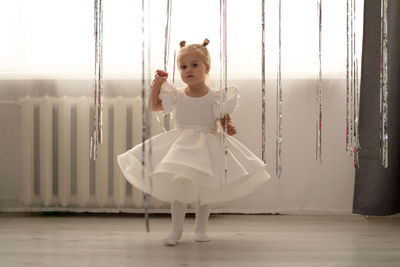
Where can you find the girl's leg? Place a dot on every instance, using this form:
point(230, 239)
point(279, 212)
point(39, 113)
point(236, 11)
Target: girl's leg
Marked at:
point(178, 211)
point(202, 214)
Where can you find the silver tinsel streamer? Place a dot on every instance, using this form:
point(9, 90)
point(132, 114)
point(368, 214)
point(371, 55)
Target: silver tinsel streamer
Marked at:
point(352, 86)
point(167, 116)
point(263, 80)
point(167, 34)
point(356, 97)
point(146, 113)
point(352, 76)
point(173, 70)
point(221, 43)
point(384, 86)
point(356, 120)
point(319, 88)
point(350, 79)
point(224, 77)
point(279, 101)
point(98, 79)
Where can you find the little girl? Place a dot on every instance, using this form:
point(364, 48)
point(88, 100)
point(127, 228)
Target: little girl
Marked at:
point(189, 161)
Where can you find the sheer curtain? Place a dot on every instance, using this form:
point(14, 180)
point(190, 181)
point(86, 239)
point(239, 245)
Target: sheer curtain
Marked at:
point(48, 48)
point(55, 36)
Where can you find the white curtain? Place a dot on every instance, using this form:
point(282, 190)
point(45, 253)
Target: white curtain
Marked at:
point(53, 40)
point(55, 36)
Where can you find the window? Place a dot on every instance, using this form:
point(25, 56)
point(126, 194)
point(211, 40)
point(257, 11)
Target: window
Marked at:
point(54, 36)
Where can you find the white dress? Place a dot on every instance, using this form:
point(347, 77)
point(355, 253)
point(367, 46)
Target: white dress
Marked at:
point(188, 162)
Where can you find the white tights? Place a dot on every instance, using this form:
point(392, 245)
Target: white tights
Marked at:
point(202, 214)
point(178, 211)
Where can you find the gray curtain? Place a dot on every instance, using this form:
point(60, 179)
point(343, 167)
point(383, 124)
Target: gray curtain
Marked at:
point(377, 190)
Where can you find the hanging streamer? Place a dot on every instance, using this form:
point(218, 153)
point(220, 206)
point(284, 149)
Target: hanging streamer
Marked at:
point(350, 80)
point(167, 34)
point(356, 97)
point(348, 64)
point(221, 43)
point(146, 112)
point(356, 120)
point(224, 77)
point(167, 116)
point(173, 71)
point(352, 77)
point(384, 91)
point(319, 88)
point(279, 101)
point(352, 86)
point(98, 80)
point(263, 81)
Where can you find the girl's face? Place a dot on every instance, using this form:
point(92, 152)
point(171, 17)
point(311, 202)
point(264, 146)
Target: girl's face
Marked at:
point(192, 69)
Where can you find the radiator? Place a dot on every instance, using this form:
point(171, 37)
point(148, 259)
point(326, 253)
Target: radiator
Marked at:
point(57, 173)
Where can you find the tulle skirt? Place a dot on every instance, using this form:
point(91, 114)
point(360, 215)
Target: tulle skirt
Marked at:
point(188, 165)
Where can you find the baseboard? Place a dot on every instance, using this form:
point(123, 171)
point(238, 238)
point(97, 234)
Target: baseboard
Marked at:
point(394, 216)
point(12, 204)
point(8, 202)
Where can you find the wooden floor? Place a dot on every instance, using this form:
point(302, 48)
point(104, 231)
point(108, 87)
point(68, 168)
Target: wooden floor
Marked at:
point(236, 240)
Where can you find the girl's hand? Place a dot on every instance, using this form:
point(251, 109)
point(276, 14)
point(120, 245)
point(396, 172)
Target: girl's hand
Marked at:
point(154, 101)
point(160, 77)
point(230, 128)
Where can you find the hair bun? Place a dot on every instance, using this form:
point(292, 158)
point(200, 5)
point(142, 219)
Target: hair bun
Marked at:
point(206, 42)
point(182, 43)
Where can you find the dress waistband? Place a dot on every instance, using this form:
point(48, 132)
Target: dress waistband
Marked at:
point(203, 129)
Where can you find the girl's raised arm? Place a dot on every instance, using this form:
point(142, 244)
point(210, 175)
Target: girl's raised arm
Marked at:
point(159, 79)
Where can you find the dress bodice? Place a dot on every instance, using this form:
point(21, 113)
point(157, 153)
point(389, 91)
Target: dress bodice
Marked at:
point(198, 111)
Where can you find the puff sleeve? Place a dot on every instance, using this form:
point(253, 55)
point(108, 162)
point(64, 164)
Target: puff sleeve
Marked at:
point(168, 96)
point(221, 107)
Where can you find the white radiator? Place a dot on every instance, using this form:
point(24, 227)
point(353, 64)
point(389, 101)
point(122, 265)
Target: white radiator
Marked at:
point(57, 173)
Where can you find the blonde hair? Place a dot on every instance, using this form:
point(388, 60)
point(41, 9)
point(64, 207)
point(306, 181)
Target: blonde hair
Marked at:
point(200, 49)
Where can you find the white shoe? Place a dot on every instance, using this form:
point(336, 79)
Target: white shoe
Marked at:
point(172, 239)
point(201, 237)
point(178, 211)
